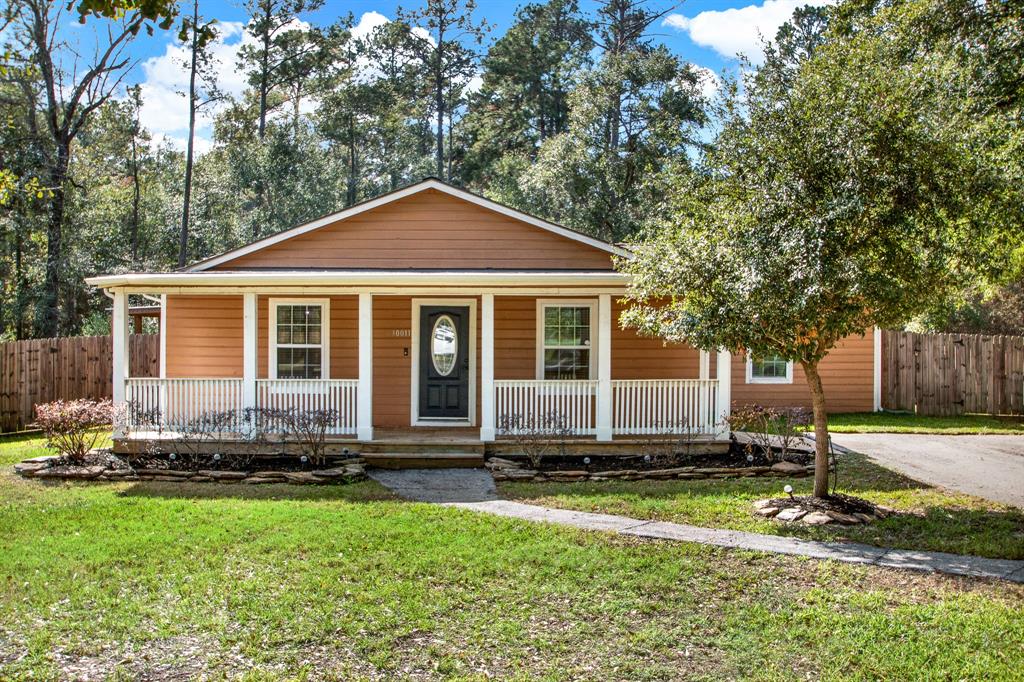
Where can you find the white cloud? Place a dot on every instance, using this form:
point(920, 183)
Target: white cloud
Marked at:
point(367, 22)
point(709, 81)
point(735, 31)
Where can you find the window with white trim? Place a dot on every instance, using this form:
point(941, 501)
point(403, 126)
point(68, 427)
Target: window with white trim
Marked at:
point(298, 340)
point(566, 349)
point(769, 369)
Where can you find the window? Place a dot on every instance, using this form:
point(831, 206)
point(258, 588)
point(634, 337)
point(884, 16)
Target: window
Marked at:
point(298, 339)
point(565, 333)
point(770, 369)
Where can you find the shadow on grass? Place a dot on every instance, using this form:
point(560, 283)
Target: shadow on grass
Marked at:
point(362, 491)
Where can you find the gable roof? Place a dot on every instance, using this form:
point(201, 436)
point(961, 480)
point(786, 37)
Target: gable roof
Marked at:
point(416, 188)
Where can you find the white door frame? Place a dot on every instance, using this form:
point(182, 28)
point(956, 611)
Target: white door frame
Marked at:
point(414, 394)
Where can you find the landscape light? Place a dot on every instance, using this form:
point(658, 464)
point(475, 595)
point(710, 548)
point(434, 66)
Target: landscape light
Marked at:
point(586, 460)
point(303, 459)
point(788, 490)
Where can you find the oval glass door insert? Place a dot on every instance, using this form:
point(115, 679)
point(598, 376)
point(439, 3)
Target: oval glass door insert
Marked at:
point(444, 345)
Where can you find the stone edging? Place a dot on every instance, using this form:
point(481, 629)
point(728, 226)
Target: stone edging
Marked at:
point(508, 470)
point(43, 467)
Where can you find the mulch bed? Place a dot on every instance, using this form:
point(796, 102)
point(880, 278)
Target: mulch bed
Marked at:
point(816, 511)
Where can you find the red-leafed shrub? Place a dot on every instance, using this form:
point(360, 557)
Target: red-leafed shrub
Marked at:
point(74, 427)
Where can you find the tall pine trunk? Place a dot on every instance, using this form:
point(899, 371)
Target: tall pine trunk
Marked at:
point(187, 198)
point(49, 319)
point(265, 70)
point(820, 428)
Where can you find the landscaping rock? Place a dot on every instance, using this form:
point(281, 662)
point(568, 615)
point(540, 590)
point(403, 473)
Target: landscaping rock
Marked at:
point(29, 469)
point(258, 480)
point(302, 477)
point(767, 512)
point(223, 475)
point(845, 519)
point(815, 518)
point(791, 514)
point(864, 518)
point(44, 459)
point(789, 469)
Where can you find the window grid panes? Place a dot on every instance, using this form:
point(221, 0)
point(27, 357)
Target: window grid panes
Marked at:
point(299, 341)
point(770, 367)
point(567, 342)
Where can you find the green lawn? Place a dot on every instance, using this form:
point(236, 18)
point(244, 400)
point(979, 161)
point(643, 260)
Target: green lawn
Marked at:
point(935, 519)
point(891, 422)
point(278, 582)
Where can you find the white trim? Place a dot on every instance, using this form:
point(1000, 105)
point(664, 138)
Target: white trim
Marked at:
point(751, 379)
point(488, 430)
point(163, 336)
point(604, 368)
point(704, 365)
point(250, 333)
point(364, 390)
point(414, 390)
point(591, 303)
point(877, 360)
point(363, 278)
point(723, 372)
point(395, 196)
point(120, 344)
point(325, 333)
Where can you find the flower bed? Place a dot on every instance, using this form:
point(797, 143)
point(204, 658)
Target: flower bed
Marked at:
point(510, 470)
point(102, 465)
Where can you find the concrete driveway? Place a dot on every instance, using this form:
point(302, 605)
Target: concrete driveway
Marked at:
point(986, 466)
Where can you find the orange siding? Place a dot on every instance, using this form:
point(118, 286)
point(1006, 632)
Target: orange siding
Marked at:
point(847, 374)
point(429, 230)
point(642, 357)
point(515, 337)
point(392, 369)
point(204, 337)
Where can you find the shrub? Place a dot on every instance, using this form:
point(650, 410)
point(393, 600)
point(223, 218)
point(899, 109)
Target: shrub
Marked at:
point(535, 435)
point(309, 427)
point(770, 428)
point(74, 427)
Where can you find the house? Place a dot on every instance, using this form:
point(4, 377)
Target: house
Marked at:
point(433, 308)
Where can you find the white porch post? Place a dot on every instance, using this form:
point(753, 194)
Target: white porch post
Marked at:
point(487, 426)
point(364, 393)
point(250, 326)
point(704, 366)
point(877, 373)
point(724, 372)
point(119, 334)
point(604, 367)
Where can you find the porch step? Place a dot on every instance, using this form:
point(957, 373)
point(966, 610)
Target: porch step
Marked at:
point(421, 447)
point(417, 460)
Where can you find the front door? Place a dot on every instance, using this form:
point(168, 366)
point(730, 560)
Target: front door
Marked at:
point(444, 362)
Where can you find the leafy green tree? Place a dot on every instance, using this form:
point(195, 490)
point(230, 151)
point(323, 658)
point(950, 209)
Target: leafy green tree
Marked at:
point(845, 195)
point(528, 75)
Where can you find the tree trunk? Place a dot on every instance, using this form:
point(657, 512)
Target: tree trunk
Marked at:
point(820, 428)
point(187, 198)
point(439, 100)
point(264, 70)
point(49, 319)
point(135, 202)
point(350, 199)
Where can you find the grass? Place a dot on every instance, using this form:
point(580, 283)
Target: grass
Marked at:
point(177, 581)
point(932, 518)
point(893, 422)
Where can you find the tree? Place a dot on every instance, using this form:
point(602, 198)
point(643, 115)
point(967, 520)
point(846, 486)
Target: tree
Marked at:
point(197, 34)
point(63, 90)
point(446, 54)
point(528, 75)
point(846, 195)
point(282, 50)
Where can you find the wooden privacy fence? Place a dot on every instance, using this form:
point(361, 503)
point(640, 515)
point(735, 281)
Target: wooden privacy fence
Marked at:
point(948, 374)
point(41, 370)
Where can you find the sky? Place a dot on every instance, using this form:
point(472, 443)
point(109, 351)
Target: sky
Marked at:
point(707, 33)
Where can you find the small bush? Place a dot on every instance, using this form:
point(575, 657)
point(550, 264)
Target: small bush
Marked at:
point(535, 435)
point(74, 427)
point(770, 428)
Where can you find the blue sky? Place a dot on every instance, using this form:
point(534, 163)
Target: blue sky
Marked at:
point(708, 33)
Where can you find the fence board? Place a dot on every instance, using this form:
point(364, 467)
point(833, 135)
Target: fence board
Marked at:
point(950, 374)
point(41, 370)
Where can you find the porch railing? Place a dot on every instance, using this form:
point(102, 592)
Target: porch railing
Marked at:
point(175, 404)
point(541, 404)
point(217, 404)
point(664, 406)
point(312, 394)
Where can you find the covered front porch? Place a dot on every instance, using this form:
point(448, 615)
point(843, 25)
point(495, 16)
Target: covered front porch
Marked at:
point(475, 362)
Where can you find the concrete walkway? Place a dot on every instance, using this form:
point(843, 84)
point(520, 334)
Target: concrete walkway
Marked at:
point(473, 489)
point(991, 467)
